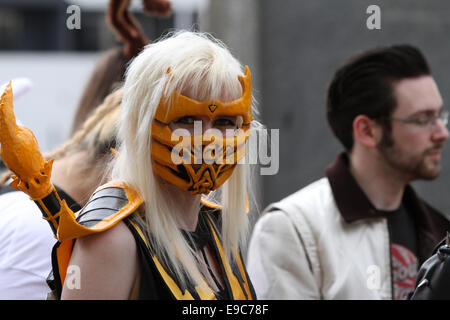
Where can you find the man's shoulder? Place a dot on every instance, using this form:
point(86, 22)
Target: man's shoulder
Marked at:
point(18, 206)
point(310, 206)
point(314, 188)
point(13, 197)
point(317, 193)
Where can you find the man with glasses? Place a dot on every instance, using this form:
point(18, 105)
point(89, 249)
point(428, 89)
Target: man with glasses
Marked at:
point(361, 232)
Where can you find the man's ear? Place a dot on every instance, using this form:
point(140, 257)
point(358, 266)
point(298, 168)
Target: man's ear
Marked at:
point(367, 131)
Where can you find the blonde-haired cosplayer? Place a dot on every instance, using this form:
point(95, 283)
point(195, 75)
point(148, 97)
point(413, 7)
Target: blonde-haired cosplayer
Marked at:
point(185, 97)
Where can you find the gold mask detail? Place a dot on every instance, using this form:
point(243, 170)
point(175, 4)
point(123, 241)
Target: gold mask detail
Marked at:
point(206, 160)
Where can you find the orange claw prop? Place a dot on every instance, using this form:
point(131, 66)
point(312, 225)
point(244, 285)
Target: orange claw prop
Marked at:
point(20, 152)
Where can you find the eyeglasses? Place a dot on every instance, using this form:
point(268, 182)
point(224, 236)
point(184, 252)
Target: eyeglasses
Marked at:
point(426, 120)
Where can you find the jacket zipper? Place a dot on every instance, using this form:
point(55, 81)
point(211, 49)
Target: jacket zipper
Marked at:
point(390, 258)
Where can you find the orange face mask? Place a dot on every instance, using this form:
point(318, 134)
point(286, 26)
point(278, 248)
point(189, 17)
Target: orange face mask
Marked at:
point(201, 163)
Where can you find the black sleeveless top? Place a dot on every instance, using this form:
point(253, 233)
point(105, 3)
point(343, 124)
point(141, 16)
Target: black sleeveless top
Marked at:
point(154, 284)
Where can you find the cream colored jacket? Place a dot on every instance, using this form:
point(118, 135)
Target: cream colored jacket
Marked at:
point(301, 248)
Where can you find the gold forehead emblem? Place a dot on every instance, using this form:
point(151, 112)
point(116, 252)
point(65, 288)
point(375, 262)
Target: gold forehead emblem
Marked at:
point(212, 108)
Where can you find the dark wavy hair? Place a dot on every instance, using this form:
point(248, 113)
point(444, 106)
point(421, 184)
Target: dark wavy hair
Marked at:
point(365, 86)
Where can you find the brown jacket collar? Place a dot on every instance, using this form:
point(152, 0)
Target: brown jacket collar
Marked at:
point(354, 205)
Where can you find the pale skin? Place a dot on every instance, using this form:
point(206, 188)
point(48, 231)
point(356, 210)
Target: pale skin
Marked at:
point(382, 182)
point(115, 249)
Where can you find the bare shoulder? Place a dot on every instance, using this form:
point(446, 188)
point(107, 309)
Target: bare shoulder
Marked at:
point(115, 240)
point(108, 265)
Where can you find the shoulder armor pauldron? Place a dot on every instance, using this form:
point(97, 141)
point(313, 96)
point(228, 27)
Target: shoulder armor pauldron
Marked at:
point(102, 205)
point(108, 205)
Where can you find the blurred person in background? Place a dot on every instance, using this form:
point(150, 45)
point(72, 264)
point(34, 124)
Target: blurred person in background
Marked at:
point(361, 232)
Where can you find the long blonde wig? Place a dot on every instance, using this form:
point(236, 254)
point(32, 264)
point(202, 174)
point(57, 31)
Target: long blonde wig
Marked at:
point(202, 66)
